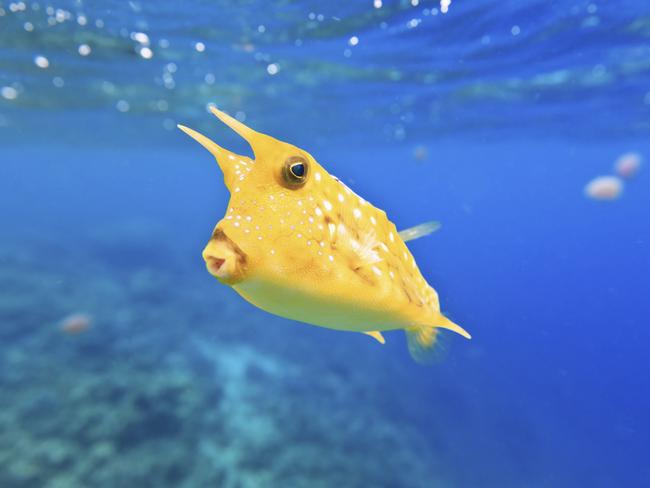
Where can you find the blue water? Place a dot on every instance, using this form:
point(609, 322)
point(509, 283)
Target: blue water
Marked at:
point(491, 118)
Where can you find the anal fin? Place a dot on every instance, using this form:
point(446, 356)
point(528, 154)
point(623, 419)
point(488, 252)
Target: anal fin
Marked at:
point(375, 334)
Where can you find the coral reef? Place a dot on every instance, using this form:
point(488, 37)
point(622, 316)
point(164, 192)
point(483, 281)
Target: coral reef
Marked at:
point(181, 384)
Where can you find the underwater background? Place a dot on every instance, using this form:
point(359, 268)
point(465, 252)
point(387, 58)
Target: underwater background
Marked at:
point(491, 118)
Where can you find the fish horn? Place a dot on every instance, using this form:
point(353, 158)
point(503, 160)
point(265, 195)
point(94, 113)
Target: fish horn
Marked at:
point(257, 140)
point(225, 159)
point(216, 150)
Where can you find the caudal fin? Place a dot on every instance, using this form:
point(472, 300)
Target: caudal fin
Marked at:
point(423, 340)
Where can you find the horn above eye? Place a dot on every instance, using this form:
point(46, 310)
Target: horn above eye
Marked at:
point(295, 171)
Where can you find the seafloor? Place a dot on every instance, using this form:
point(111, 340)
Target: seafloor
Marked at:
point(173, 386)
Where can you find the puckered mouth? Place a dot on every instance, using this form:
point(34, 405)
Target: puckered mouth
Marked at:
point(214, 264)
point(224, 259)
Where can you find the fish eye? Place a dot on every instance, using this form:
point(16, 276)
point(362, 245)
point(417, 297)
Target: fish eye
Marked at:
point(295, 171)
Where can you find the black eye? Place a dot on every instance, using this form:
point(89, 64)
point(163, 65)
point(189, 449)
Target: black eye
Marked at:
point(295, 171)
point(298, 169)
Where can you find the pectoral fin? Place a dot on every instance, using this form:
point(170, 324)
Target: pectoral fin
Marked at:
point(419, 230)
point(376, 335)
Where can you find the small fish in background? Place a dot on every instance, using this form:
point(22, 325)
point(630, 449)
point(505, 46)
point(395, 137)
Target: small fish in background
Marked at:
point(604, 188)
point(298, 243)
point(76, 323)
point(420, 153)
point(627, 165)
point(611, 187)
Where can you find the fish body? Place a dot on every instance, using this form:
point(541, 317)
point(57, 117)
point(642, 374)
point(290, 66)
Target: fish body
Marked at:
point(297, 242)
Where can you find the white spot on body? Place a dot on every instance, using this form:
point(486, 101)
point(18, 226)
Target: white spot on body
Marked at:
point(317, 176)
point(357, 213)
point(327, 205)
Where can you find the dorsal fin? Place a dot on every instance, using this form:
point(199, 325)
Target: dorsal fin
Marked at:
point(419, 230)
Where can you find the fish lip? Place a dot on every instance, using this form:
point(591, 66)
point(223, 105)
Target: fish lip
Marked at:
point(214, 264)
point(225, 261)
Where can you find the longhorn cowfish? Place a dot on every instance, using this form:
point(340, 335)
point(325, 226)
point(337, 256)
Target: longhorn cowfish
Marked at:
point(298, 243)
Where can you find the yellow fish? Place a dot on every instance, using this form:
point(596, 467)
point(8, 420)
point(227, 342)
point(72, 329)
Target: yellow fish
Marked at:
point(298, 243)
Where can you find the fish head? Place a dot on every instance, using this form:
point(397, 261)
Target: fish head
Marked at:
point(270, 207)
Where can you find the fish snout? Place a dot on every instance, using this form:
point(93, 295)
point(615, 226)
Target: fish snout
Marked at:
point(224, 259)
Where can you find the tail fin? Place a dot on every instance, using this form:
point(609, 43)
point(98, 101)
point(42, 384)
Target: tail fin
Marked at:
point(422, 340)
